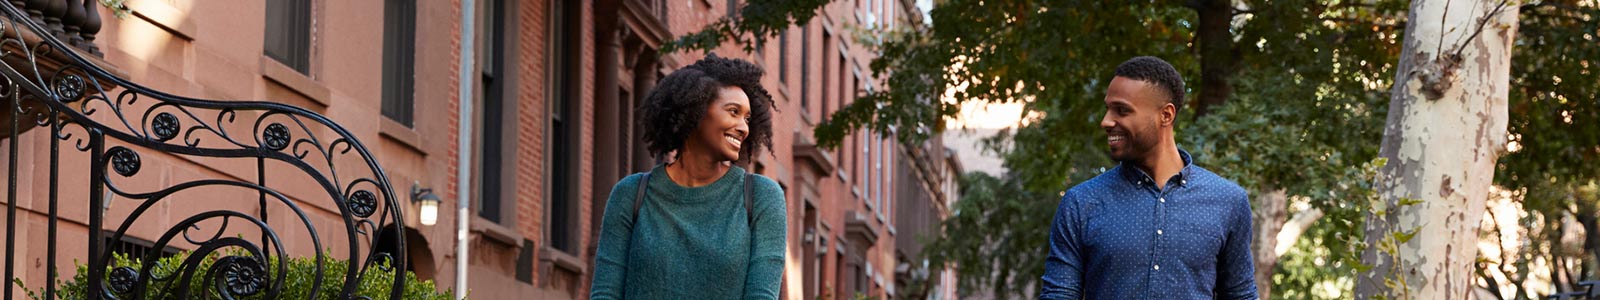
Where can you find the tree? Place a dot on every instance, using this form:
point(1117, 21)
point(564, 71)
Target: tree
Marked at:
point(1306, 82)
point(1446, 127)
point(1313, 108)
point(1554, 122)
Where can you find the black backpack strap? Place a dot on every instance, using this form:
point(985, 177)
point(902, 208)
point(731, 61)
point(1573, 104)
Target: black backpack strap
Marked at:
point(749, 202)
point(638, 197)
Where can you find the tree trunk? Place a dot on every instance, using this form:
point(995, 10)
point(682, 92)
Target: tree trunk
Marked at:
point(1445, 129)
point(1217, 55)
point(1272, 209)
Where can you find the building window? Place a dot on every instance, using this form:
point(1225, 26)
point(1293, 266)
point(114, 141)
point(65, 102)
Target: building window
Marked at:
point(399, 44)
point(783, 57)
point(877, 174)
point(135, 247)
point(288, 33)
point(827, 42)
point(844, 86)
point(564, 119)
point(491, 104)
point(889, 15)
point(862, 172)
point(805, 69)
point(862, 142)
point(661, 8)
point(883, 175)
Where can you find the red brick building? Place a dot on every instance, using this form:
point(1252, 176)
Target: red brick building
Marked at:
point(844, 204)
point(551, 126)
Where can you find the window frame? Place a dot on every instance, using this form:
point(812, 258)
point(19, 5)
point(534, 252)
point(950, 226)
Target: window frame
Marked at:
point(399, 61)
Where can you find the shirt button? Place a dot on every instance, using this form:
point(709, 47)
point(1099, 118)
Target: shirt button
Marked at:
point(1163, 200)
point(1158, 267)
point(1158, 231)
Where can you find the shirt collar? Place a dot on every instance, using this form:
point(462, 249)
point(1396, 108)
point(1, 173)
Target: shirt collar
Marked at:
point(1137, 176)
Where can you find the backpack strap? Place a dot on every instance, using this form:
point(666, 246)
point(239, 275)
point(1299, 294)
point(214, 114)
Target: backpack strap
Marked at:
point(638, 197)
point(749, 202)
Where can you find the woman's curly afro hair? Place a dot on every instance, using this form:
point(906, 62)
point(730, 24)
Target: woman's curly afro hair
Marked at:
point(673, 109)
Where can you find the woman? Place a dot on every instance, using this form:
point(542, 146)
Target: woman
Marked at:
point(697, 227)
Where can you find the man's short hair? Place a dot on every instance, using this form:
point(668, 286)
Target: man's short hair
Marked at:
point(1155, 71)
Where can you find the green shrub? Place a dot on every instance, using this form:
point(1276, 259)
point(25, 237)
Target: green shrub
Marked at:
point(375, 284)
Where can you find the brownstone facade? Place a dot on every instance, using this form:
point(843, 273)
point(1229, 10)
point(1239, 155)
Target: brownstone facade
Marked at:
point(552, 126)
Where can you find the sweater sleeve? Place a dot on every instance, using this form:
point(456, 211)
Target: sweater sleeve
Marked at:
point(616, 228)
point(769, 236)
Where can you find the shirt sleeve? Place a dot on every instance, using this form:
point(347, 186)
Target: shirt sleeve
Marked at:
point(769, 238)
point(1235, 264)
point(616, 230)
point(1063, 269)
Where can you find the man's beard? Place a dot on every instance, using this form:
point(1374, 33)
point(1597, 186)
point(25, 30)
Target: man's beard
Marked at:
point(1135, 146)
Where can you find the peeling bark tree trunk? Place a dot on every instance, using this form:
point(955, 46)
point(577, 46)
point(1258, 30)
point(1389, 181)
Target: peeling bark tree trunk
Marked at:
point(1271, 211)
point(1446, 127)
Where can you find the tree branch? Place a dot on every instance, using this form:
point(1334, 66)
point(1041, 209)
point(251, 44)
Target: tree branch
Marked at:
point(1296, 226)
point(1481, 23)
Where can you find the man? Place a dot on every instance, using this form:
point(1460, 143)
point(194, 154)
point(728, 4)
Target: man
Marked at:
point(1156, 226)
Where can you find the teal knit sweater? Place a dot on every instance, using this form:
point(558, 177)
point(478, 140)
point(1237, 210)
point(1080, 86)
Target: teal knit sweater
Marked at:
point(691, 243)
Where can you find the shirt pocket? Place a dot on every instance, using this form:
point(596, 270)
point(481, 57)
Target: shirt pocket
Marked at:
point(1199, 243)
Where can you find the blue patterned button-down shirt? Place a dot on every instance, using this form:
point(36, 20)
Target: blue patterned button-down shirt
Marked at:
point(1117, 236)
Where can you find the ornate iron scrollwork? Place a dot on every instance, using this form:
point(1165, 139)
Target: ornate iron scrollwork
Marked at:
point(122, 279)
point(241, 276)
point(113, 122)
point(124, 161)
point(70, 87)
point(363, 203)
point(276, 137)
point(165, 126)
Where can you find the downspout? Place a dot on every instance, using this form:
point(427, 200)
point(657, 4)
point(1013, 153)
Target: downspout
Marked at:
point(463, 143)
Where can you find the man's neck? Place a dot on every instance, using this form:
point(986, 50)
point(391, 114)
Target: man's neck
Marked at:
point(695, 169)
point(1162, 164)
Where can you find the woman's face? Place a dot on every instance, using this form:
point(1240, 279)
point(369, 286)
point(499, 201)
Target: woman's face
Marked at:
point(726, 124)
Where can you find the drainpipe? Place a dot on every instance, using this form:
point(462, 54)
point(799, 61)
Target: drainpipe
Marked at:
point(463, 143)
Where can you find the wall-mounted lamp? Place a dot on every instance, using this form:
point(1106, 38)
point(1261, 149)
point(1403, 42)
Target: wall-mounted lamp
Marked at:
point(428, 212)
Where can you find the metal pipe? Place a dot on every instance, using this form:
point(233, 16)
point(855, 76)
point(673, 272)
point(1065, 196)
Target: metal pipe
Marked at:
point(463, 143)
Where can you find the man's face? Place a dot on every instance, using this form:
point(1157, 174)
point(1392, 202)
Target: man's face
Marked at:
point(1136, 111)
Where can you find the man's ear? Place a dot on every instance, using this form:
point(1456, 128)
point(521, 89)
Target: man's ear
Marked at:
point(1169, 114)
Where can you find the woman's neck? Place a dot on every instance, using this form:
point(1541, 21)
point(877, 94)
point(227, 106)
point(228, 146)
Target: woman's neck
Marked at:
point(695, 169)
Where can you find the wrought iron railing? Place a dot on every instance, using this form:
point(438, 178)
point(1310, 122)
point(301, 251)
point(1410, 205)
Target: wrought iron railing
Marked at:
point(1581, 291)
point(56, 96)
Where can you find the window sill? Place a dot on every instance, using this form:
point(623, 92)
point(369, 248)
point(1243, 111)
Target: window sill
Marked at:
point(783, 89)
point(299, 83)
point(407, 136)
point(494, 232)
point(561, 259)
